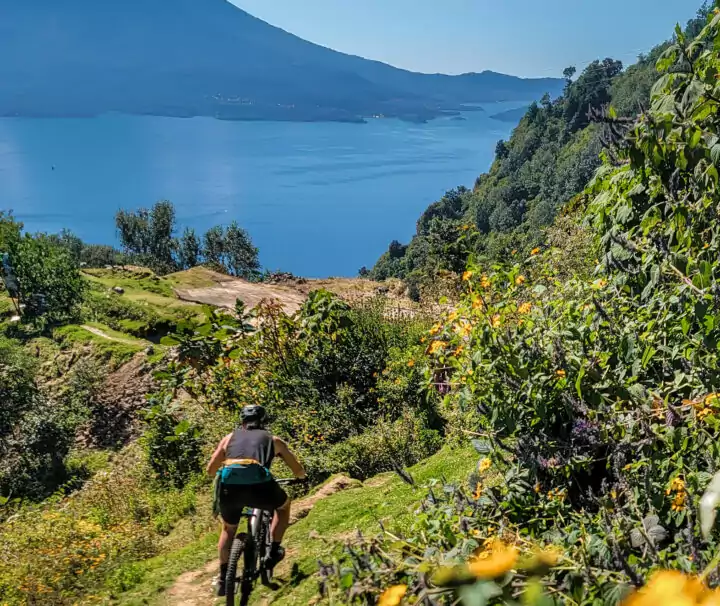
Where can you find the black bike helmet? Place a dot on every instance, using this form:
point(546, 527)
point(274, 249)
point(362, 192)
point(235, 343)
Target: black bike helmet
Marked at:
point(254, 414)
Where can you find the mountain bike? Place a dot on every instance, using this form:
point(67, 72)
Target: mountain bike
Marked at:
point(253, 548)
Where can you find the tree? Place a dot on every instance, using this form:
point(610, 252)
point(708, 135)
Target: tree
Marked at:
point(242, 255)
point(49, 282)
point(10, 231)
point(147, 235)
point(568, 74)
point(590, 91)
point(214, 247)
point(501, 150)
point(188, 249)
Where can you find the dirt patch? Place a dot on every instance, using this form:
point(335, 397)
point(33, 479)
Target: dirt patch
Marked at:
point(195, 588)
point(291, 293)
point(116, 406)
point(227, 292)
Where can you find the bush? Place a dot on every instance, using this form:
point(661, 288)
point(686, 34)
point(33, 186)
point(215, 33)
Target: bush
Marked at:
point(173, 445)
point(384, 447)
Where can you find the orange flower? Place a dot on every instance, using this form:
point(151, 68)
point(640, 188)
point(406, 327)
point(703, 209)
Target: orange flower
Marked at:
point(525, 308)
point(520, 280)
point(560, 373)
point(467, 275)
point(496, 321)
point(477, 303)
point(393, 596)
point(534, 251)
point(478, 491)
point(411, 363)
point(513, 251)
point(485, 282)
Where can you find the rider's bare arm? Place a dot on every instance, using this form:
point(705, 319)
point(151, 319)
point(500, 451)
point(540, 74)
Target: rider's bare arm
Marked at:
point(218, 457)
point(282, 450)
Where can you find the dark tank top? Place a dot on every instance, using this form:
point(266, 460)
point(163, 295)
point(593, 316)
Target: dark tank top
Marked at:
point(251, 444)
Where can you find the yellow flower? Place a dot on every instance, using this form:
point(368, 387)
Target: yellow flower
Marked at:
point(560, 373)
point(677, 484)
point(704, 413)
point(525, 308)
point(458, 350)
point(436, 329)
point(436, 346)
point(537, 488)
point(423, 339)
point(520, 280)
point(393, 596)
point(484, 465)
point(485, 282)
point(600, 283)
point(678, 503)
point(711, 399)
point(668, 587)
point(411, 363)
point(467, 275)
point(494, 563)
point(477, 303)
point(534, 251)
point(496, 321)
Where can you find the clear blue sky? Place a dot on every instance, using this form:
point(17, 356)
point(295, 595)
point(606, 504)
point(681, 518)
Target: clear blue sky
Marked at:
point(521, 37)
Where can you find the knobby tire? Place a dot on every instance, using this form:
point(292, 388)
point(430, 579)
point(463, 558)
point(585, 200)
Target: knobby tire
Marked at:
point(232, 584)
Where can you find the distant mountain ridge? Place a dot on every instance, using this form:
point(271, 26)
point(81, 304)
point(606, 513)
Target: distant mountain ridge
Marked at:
point(208, 57)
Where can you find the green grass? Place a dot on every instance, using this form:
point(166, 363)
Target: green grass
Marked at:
point(114, 353)
point(197, 277)
point(142, 286)
point(384, 498)
point(131, 280)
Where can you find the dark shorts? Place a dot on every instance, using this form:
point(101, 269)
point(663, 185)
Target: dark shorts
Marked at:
point(233, 499)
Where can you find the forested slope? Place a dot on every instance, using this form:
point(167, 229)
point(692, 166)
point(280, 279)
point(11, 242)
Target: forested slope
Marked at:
point(549, 159)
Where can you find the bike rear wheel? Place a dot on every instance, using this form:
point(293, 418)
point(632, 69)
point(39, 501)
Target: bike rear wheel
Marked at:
point(236, 582)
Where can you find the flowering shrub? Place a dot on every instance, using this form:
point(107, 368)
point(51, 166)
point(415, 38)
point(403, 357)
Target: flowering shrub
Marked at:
point(593, 393)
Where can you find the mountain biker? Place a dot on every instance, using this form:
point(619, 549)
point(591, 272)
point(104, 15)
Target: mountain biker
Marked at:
point(242, 460)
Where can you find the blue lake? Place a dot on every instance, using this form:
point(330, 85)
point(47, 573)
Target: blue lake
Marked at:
point(319, 199)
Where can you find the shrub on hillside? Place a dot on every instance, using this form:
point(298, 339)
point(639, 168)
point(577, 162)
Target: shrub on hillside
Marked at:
point(387, 446)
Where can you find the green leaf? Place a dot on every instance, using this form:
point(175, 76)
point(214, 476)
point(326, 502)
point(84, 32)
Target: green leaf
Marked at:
point(170, 341)
point(715, 154)
point(482, 446)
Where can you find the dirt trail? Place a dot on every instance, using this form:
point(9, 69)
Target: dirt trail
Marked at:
point(104, 335)
point(195, 588)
